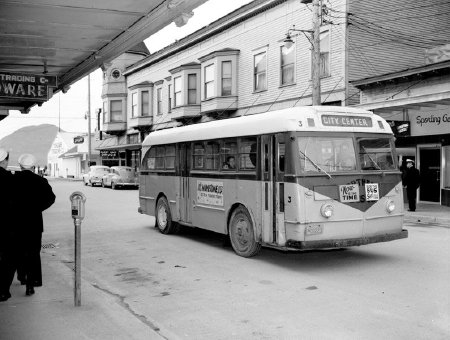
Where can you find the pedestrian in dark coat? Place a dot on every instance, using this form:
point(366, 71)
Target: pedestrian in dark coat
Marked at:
point(412, 183)
point(7, 254)
point(35, 195)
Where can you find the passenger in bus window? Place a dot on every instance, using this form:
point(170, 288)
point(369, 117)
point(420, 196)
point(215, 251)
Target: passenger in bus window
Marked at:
point(230, 163)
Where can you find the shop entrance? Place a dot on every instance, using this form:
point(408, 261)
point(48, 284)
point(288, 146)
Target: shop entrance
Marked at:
point(430, 174)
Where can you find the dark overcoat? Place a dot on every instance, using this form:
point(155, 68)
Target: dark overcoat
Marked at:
point(6, 207)
point(34, 195)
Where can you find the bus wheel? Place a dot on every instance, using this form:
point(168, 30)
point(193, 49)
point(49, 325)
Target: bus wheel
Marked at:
point(164, 217)
point(242, 235)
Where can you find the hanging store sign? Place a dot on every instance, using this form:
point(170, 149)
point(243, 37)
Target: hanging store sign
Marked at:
point(430, 123)
point(109, 153)
point(25, 86)
point(400, 128)
point(347, 121)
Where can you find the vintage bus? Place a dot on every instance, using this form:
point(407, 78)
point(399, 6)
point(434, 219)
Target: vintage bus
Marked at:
point(298, 178)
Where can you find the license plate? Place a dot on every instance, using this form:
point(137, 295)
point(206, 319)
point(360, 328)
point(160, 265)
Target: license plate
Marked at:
point(314, 229)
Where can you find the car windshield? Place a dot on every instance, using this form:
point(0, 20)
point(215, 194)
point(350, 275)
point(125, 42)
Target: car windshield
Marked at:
point(326, 154)
point(375, 154)
point(101, 171)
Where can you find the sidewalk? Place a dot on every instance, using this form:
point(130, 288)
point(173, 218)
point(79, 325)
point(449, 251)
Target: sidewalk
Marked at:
point(428, 213)
point(50, 314)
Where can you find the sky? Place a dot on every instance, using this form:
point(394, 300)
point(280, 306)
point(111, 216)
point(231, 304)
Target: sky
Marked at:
point(68, 110)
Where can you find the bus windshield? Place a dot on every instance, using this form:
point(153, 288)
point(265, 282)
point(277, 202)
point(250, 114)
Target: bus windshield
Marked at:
point(375, 154)
point(335, 154)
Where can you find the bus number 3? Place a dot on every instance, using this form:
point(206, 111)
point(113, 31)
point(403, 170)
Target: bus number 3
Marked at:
point(289, 199)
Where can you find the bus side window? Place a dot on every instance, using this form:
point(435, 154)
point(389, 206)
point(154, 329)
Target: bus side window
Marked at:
point(228, 154)
point(149, 159)
point(247, 153)
point(170, 157)
point(212, 157)
point(198, 154)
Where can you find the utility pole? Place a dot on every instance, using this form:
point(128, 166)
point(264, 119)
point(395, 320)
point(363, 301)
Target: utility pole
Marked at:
point(315, 67)
point(317, 8)
point(89, 120)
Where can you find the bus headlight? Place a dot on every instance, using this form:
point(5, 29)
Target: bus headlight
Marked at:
point(390, 206)
point(327, 210)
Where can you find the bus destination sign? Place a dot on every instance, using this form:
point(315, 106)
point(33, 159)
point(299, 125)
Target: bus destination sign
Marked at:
point(346, 121)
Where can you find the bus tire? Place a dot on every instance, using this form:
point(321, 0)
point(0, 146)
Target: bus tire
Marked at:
point(163, 215)
point(241, 232)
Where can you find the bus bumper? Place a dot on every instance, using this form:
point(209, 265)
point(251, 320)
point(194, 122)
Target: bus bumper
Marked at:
point(319, 244)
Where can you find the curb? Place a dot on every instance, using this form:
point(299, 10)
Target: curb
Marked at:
point(428, 219)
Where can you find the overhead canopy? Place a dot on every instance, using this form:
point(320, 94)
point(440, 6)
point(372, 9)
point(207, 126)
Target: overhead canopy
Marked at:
point(61, 41)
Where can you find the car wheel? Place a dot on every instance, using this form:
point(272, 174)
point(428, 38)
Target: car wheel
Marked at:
point(163, 215)
point(85, 183)
point(242, 234)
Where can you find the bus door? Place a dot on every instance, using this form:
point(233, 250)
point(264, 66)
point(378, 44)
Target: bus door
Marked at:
point(183, 195)
point(278, 184)
point(272, 149)
point(268, 231)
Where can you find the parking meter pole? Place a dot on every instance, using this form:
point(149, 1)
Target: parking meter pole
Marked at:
point(77, 200)
point(77, 286)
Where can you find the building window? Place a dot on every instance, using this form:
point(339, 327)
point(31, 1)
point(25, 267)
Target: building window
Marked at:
point(287, 65)
point(259, 71)
point(177, 91)
point(134, 104)
point(133, 139)
point(116, 111)
point(159, 101)
point(226, 78)
point(209, 81)
point(192, 89)
point(105, 111)
point(169, 99)
point(325, 54)
point(145, 101)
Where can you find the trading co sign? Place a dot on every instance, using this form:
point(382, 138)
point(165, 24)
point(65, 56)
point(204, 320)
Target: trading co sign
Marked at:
point(25, 86)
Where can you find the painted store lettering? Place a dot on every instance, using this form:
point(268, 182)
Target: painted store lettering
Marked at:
point(23, 90)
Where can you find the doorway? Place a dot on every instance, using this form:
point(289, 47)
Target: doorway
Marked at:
point(430, 174)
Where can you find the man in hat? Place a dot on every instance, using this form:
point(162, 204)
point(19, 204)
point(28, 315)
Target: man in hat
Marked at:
point(6, 206)
point(35, 195)
point(412, 182)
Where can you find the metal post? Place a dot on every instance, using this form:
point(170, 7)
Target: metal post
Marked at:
point(317, 8)
point(89, 119)
point(77, 286)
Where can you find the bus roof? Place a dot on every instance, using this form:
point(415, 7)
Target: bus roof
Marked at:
point(304, 118)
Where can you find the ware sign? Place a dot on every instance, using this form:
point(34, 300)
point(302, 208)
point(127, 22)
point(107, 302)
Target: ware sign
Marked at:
point(210, 193)
point(25, 86)
point(349, 193)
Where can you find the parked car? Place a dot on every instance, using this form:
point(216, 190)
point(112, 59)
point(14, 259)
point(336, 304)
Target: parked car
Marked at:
point(95, 174)
point(120, 176)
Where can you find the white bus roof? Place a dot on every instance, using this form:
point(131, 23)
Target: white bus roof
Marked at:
point(304, 118)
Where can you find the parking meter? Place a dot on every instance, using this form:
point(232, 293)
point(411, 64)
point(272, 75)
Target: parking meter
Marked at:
point(77, 200)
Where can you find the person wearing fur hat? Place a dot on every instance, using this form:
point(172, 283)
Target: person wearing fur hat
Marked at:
point(35, 195)
point(6, 207)
point(412, 183)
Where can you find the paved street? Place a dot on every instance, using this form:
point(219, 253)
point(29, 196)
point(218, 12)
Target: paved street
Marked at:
point(193, 286)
